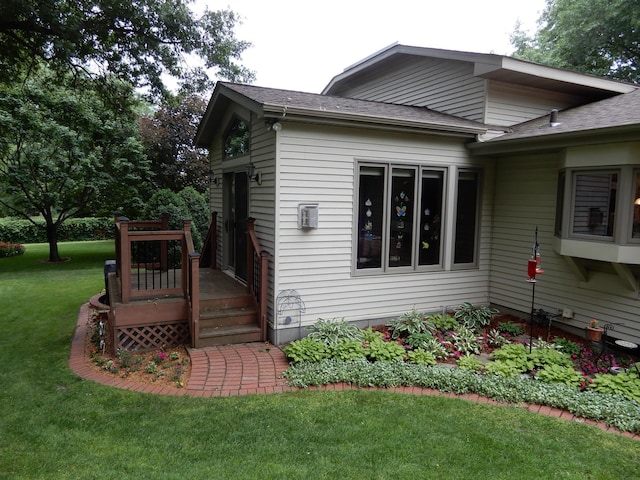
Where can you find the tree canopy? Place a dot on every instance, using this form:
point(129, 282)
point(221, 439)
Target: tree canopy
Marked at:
point(600, 37)
point(139, 41)
point(65, 151)
point(167, 136)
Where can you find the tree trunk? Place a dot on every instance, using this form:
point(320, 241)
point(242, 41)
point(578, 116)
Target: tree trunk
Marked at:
point(52, 238)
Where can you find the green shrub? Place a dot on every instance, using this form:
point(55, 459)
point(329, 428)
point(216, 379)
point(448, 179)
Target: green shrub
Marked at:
point(17, 230)
point(305, 350)
point(333, 331)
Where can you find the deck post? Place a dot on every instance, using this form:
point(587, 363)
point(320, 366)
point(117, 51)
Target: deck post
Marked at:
point(125, 260)
point(187, 248)
point(264, 284)
point(214, 240)
point(251, 274)
point(194, 294)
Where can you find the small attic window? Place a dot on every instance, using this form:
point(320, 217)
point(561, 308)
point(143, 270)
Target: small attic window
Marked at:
point(236, 140)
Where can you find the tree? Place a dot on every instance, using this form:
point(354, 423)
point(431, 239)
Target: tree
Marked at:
point(64, 151)
point(167, 136)
point(600, 37)
point(138, 41)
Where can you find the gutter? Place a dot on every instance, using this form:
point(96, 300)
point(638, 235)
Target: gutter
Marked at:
point(305, 115)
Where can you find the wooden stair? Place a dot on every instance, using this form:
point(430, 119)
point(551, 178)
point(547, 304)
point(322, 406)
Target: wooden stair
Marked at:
point(228, 320)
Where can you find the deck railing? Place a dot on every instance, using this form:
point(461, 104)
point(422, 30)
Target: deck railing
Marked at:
point(153, 261)
point(257, 275)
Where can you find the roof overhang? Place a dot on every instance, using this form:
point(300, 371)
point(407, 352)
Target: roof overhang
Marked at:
point(224, 96)
point(557, 141)
point(489, 66)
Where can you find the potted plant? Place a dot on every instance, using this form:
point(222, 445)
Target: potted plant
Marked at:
point(594, 332)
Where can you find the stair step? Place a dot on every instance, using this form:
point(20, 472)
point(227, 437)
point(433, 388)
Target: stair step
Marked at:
point(212, 304)
point(228, 335)
point(227, 317)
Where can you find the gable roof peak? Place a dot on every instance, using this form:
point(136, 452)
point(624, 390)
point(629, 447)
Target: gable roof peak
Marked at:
point(485, 65)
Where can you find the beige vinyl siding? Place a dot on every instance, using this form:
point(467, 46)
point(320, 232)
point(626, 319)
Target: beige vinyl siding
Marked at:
point(512, 104)
point(442, 85)
point(317, 165)
point(525, 197)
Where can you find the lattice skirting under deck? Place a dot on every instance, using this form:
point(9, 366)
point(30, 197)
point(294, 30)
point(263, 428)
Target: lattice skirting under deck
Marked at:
point(151, 337)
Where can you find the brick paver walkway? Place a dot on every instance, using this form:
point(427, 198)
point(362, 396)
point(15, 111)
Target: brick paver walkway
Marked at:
point(256, 368)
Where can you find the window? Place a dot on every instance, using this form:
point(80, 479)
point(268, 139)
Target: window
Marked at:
point(635, 230)
point(466, 218)
point(594, 203)
point(236, 140)
point(400, 217)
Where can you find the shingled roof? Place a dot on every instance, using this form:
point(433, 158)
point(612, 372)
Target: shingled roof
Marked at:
point(312, 107)
point(619, 111)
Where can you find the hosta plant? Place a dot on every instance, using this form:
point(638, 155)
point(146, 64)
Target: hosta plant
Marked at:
point(409, 323)
point(421, 357)
point(332, 331)
point(429, 343)
point(469, 362)
point(474, 317)
point(305, 350)
point(379, 350)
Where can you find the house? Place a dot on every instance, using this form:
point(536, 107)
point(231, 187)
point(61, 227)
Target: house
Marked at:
point(421, 178)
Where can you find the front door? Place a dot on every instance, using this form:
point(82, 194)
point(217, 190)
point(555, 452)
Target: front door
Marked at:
point(235, 225)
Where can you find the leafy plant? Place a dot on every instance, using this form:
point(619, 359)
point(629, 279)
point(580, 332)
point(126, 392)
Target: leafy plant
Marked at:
point(379, 350)
point(504, 368)
point(624, 383)
point(465, 340)
point(305, 350)
point(429, 343)
point(496, 339)
point(347, 350)
point(554, 373)
point(474, 317)
point(333, 331)
point(567, 346)
point(469, 362)
point(510, 328)
point(370, 335)
point(409, 323)
point(421, 357)
point(446, 322)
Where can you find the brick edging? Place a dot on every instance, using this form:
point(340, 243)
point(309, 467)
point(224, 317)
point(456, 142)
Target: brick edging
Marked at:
point(78, 364)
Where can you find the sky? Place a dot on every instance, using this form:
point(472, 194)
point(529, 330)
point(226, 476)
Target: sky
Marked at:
point(302, 44)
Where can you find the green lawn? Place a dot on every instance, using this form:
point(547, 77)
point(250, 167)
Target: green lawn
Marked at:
point(53, 425)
